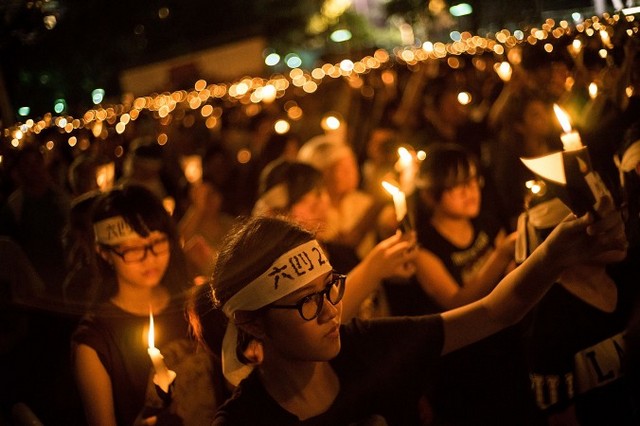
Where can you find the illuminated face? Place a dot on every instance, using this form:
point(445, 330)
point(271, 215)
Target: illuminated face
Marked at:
point(343, 176)
point(140, 262)
point(463, 199)
point(290, 337)
point(311, 210)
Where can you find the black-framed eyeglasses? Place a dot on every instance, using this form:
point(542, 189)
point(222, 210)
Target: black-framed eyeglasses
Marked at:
point(138, 254)
point(310, 306)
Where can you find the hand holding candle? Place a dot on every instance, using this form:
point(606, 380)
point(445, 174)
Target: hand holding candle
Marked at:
point(163, 377)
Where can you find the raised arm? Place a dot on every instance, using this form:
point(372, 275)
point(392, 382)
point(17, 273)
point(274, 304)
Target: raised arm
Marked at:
point(437, 282)
point(572, 242)
point(391, 257)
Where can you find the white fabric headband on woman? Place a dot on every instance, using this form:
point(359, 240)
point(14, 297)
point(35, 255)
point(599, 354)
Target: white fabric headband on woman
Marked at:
point(113, 231)
point(290, 272)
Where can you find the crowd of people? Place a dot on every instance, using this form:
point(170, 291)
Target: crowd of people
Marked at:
point(284, 290)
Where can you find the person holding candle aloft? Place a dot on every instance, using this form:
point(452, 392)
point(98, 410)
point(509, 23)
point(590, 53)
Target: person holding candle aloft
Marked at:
point(275, 285)
point(296, 191)
point(463, 254)
point(142, 271)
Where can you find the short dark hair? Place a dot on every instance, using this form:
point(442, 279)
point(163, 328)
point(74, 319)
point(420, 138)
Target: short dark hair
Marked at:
point(445, 165)
point(144, 212)
point(299, 178)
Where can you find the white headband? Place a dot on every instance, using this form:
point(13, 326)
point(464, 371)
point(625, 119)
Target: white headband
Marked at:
point(629, 160)
point(113, 231)
point(290, 272)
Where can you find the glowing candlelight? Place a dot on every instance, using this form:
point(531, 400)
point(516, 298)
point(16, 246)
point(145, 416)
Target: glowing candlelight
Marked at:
point(570, 138)
point(399, 200)
point(504, 71)
point(406, 168)
point(163, 377)
point(593, 90)
point(192, 168)
point(606, 40)
point(105, 176)
point(576, 46)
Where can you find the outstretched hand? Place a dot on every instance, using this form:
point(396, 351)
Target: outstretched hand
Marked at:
point(581, 240)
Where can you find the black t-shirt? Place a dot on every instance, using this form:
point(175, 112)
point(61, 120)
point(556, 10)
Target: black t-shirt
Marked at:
point(380, 364)
point(485, 383)
point(576, 355)
point(120, 340)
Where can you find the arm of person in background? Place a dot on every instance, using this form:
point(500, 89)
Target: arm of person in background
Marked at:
point(439, 284)
point(572, 242)
point(392, 257)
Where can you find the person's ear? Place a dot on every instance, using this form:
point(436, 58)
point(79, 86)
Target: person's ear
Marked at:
point(250, 324)
point(104, 255)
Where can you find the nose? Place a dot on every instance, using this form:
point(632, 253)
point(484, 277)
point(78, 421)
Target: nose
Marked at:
point(329, 311)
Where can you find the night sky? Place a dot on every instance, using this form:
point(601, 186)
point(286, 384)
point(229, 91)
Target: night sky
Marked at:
point(93, 40)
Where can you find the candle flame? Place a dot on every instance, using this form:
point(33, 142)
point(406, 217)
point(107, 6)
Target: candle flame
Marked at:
point(606, 40)
point(151, 335)
point(563, 118)
point(577, 45)
point(593, 90)
point(405, 155)
point(391, 189)
point(504, 71)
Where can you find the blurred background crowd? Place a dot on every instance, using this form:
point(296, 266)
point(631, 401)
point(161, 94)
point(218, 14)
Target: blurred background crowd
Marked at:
point(208, 152)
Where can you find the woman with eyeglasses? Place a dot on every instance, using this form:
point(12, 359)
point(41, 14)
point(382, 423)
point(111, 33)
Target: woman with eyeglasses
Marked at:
point(270, 284)
point(142, 270)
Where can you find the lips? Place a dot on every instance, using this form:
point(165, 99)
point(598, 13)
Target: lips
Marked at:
point(334, 331)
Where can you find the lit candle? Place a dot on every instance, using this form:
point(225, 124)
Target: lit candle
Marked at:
point(406, 167)
point(504, 71)
point(593, 90)
point(399, 200)
point(192, 168)
point(606, 40)
point(105, 176)
point(400, 204)
point(163, 377)
point(570, 138)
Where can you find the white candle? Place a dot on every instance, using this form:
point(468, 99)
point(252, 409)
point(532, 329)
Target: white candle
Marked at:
point(570, 138)
point(406, 167)
point(399, 200)
point(163, 377)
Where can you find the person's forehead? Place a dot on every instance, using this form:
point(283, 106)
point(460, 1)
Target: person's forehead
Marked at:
point(315, 285)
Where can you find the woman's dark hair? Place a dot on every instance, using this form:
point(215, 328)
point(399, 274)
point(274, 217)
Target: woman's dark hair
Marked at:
point(248, 251)
point(445, 166)
point(299, 178)
point(144, 212)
